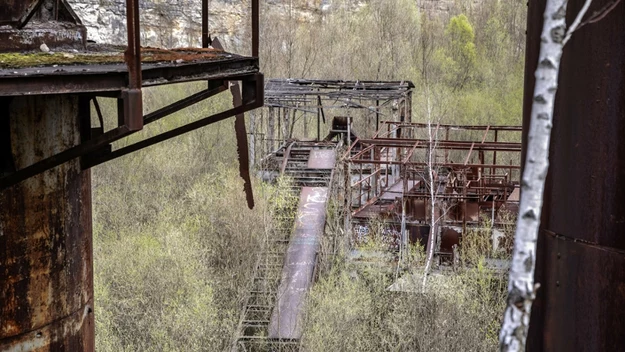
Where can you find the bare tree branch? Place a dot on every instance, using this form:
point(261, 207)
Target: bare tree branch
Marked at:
point(573, 27)
point(599, 15)
point(430, 166)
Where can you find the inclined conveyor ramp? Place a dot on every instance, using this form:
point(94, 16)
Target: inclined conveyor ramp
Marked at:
point(272, 317)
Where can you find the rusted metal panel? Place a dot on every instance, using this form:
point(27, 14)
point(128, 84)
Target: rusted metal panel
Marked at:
point(242, 146)
point(450, 237)
point(46, 286)
point(13, 10)
point(322, 159)
point(472, 211)
point(55, 25)
point(584, 292)
point(299, 267)
point(585, 189)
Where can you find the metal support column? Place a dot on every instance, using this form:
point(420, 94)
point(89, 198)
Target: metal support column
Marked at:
point(46, 285)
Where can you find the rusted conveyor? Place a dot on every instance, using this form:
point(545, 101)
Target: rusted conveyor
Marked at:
point(271, 320)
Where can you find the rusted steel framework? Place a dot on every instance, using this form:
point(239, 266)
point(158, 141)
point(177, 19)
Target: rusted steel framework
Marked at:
point(581, 244)
point(475, 172)
point(107, 76)
point(49, 140)
point(324, 109)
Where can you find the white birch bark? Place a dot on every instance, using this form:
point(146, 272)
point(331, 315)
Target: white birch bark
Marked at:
point(430, 166)
point(521, 287)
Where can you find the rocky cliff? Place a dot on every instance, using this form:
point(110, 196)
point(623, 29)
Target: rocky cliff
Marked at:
point(177, 23)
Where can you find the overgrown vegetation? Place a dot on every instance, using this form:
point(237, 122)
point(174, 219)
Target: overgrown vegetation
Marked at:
point(175, 245)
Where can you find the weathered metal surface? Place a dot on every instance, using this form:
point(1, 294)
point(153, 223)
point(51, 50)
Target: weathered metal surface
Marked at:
point(242, 146)
point(450, 237)
point(250, 101)
point(584, 191)
point(53, 23)
point(13, 10)
point(322, 159)
point(206, 39)
point(297, 275)
point(46, 280)
point(113, 77)
point(239, 128)
point(584, 290)
point(255, 27)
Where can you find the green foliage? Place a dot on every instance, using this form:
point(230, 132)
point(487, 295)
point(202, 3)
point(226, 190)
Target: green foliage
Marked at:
point(460, 61)
point(174, 242)
point(175, 282)
point(175, 245)
point(356, 312)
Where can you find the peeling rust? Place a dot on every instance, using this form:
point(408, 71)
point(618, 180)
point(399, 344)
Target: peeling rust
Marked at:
point(580, 259)
point(46, 285)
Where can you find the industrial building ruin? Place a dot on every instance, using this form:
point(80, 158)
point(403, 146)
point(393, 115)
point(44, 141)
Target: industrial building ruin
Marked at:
point(428, 183)
point(355, 141)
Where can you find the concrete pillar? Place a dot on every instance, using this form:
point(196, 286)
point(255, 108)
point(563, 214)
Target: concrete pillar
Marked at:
point(46, 262)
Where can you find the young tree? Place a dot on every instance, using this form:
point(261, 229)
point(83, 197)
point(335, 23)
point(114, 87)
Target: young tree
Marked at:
point(461, 58)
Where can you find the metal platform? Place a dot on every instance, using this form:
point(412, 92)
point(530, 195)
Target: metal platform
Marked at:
point(110, 78)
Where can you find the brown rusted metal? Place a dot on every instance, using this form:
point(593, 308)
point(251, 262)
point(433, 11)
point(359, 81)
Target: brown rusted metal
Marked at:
point(255, 27)
point(251, 101)
point(13, 10)
point(112, 78)
point(205, 35)
point(242, 146)
point(241, 136)
point(133, 101)
point(32, 39)
point(57, 27)
point(297, 276)
point(581, 247)
point(390, 172)
point(46, 286)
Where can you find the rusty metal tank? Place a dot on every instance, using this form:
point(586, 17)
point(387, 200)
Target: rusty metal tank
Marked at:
point(46, 278)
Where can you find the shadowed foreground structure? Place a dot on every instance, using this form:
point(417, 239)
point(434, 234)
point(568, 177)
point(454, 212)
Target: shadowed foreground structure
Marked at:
point(581, 247)
point(49, 140)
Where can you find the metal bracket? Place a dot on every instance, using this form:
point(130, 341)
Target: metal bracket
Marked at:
point(98, 147)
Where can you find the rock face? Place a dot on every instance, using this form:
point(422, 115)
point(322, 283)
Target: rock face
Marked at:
point(436, 7)
point(177, 23)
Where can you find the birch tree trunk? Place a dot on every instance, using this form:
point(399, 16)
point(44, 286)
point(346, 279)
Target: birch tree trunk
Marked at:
point(434, 219)
point(521, 287)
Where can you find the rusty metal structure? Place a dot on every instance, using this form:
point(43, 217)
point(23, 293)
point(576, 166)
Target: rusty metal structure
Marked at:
point(271, 319)
point(49, 140)
point(475, 171)
point(581, 247)
point(324, 109)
